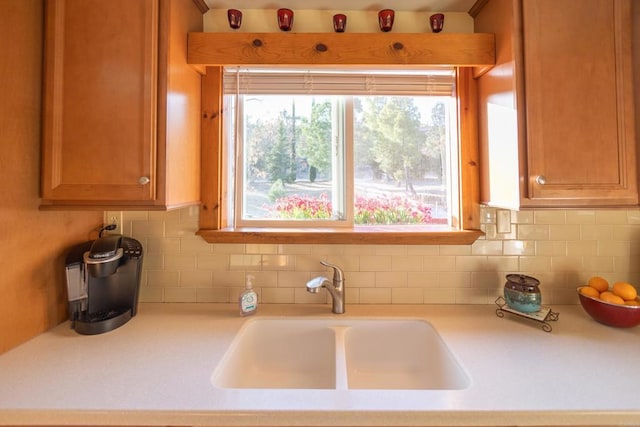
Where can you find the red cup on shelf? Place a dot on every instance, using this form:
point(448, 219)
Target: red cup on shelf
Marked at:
point(385, 19)
point(339, 22)
point(437, 22)
point(285, 19)
point(235, 18)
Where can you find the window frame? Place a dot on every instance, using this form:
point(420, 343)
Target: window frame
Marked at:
point(214, 224)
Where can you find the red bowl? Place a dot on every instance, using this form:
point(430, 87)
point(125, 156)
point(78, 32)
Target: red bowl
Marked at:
point(620, 316)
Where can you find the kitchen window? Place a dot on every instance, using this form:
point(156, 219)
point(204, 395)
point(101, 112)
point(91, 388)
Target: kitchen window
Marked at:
point(335, 156)
point(318, 148)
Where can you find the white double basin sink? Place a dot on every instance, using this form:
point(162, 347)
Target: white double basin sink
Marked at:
point(340, 354)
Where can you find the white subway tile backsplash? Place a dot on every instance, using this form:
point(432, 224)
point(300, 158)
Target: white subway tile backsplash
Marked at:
point(633, 216)
point(179, 295)
point(196, 279)
point(406, 263)
point(278, 262)
point(151, 294)
point(228, 278)
point(346, 262)
point(391, 250)
point(163, 278)
point(502, 263)
point(245, 262)
point(162, 245)
point(460, 279)
point(180, 262)
point(455, 250)
point(614, 248)
point(278, 296)
point(423, 280)
point(219, 295)
point(532, 232)
point(365, 279)
point(596, 232)
point(302, 296)
point(147, 229)
point(562, 248)
point(487, 280)
point(439, 296)
point(582, 247)
point(194, 245)
point(391, 279)
point(580, 217)
point(407, 296)
point(611, 217)
point(600, 263)
point(535, 263)
point(423, 250)
point(295, 249)
point(375, 296)
point(564, 232)
point(550, 248)
point(518, 247)
point(308, 262)
point(229, 248)
point(549, 217)
point(567, 263)
point(261, 279)
point(522, 217)
point(261, 249)
point(439, 263)
point(177, 228)
point(334, 250)
point(473, 296)
point(208, 261)
point(625, 232)
point(486, 247)
point(153, 261)
point(292, 279)
point(487, 215)
point(503, 221)
point(471, 263)
point(375, 263)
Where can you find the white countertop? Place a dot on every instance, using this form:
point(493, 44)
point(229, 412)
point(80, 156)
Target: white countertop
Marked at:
point(156, 370)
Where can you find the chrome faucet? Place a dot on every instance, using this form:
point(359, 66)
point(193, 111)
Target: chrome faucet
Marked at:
point(335, 288)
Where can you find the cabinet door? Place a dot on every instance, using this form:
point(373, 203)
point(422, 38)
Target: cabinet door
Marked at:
point(100, 100)
point(579, 102)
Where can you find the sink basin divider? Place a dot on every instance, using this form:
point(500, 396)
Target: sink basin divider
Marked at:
point(342, 382)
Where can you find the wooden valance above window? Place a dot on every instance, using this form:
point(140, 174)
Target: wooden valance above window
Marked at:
point(344, 49)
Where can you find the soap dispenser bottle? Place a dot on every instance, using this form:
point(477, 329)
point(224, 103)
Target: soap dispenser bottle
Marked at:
point(248, 299)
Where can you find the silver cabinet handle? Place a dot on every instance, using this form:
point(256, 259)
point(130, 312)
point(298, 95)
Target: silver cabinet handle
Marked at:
point(144, 180)
point(541, 180)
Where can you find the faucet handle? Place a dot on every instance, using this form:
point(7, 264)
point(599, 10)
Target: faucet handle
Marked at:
point(338, 274)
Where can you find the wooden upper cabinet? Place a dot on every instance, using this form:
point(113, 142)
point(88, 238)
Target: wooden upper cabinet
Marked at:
point(121, 105)
point(556, 113)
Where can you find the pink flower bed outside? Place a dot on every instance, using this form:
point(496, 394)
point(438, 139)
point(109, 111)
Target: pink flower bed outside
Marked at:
point(368, 211)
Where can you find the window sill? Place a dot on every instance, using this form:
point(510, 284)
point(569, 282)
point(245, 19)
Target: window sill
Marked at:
point(347, 236)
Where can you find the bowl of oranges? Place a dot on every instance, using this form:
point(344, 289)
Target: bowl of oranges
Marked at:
point(617, 305)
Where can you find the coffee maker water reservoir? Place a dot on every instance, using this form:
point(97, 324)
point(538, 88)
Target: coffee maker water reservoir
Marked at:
point(103, 282)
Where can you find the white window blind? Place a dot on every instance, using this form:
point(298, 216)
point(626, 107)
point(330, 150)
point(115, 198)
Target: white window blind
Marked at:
point(432, 82)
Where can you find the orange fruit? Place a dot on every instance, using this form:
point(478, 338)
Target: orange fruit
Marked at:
point(590, 291)
point(625, 290)
point(632, 302)
point(611, 297)
point(598, 283)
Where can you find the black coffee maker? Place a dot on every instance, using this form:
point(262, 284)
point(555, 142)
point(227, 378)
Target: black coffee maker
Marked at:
point(103, 282)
